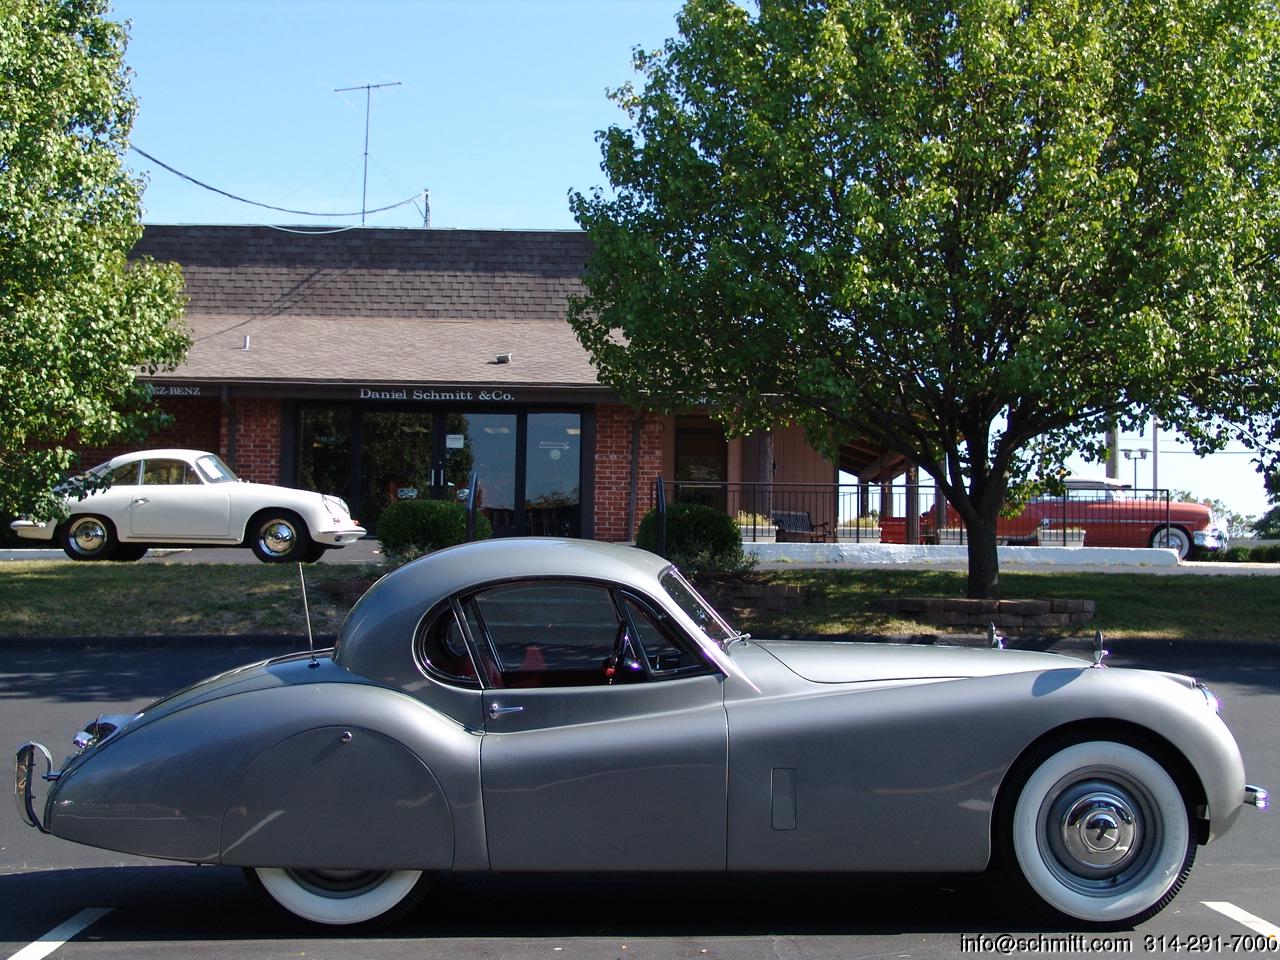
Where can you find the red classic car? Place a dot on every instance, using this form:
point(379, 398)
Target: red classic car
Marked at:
point(1105, 513)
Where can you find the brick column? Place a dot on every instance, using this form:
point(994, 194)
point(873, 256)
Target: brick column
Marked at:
point(250, 438)
point(613, 467)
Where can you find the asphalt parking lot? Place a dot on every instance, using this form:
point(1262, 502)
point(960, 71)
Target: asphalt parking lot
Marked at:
point(90, 903)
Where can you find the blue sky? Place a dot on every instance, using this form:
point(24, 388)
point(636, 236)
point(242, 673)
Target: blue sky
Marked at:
point(496, 115)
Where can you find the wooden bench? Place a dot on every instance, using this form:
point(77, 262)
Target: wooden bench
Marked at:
point(797, 526)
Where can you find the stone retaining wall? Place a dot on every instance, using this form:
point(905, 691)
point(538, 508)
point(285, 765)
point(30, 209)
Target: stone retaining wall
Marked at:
point(1008, 614)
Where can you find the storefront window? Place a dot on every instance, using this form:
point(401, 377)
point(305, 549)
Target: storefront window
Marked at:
point(324, 457)
point(701, 462)
point(552, 493)
point(433, 453)
point(397, 460)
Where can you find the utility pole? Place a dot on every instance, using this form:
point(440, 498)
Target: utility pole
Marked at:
point(368, 89)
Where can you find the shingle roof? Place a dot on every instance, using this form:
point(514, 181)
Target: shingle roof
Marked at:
point(377, 304)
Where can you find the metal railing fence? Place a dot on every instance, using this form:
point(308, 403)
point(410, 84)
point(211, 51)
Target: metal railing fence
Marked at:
point(915, 513)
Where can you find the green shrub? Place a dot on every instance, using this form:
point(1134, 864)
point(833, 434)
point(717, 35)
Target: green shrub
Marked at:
point(410, 528)
point(700, 539)
point(1235, 555)
point(1267, 553)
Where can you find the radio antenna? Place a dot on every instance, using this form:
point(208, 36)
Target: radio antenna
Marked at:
point(368, 89)
point(306, 612)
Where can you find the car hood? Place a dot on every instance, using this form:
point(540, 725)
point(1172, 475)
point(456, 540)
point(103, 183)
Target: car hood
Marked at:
point(271, 490)
point(835, 661)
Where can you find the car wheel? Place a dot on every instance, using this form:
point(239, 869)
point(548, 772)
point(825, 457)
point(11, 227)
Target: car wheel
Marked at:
point(279, 536)
point(1173, 537)
point(129, 552)
point(1097, 831)
point(89, 538)
point(314, 553)
point(342, 897)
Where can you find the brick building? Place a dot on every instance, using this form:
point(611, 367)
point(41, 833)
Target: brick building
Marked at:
point(389, 363)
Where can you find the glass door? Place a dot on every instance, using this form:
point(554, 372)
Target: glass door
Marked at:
point(553, 477)
point(483, 444)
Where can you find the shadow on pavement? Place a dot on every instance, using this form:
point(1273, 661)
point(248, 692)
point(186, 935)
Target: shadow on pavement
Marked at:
point(117, 673)
point(155, 904)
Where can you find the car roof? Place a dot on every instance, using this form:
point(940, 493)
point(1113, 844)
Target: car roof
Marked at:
point(165, 453)
point(375, 637)
point(1085, 484)
point(445, 572)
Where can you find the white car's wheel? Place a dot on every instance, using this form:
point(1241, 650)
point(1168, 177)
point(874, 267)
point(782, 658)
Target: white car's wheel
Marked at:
point(86, 537)
point(1099, 832)
point(279, 536)
point(343, 897)
point(1175, 538)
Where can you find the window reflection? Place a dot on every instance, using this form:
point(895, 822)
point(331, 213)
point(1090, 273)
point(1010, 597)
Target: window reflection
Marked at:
point(486, 444)
point(552, 492)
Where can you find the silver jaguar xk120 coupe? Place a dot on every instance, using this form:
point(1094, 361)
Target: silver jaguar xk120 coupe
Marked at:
point(505, 705)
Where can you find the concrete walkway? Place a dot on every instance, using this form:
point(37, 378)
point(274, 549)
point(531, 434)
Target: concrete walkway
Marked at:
point(774, 556)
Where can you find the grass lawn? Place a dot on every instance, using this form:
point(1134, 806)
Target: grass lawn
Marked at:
point(1128, 605)
point(53, 599)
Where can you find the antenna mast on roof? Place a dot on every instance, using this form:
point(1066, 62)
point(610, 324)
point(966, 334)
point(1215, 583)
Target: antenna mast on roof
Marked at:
point(368, 89)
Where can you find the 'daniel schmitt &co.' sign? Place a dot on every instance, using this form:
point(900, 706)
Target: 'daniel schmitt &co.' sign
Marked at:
point(428, 393)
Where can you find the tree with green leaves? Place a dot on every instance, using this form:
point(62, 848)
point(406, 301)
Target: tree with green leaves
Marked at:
point(977, 232)
point(78, 323)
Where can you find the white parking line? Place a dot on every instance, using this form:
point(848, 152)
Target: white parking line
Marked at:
point(1256, 924)
point(60, 934)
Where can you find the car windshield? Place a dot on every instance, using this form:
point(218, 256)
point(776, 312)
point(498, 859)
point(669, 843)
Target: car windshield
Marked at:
point(699, 611)
point(214, 470)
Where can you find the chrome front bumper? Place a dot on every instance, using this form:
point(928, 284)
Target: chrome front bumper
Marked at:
point(1258, 797)
point(23, 774)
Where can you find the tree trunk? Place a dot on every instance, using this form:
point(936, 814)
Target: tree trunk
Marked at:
point(984, 567)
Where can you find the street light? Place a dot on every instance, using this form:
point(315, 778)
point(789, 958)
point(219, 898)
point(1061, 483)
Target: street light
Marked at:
point(1135, 454)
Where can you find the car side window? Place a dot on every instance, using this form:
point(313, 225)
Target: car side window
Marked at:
point(168, 473)
point(549, 633)
point(442, 650)
point(124, 475)
point(663, 656)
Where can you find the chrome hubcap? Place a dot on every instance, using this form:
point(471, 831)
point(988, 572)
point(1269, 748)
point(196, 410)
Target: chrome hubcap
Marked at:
point(88, 536)
point(1099, 833)
point(277, 537)
point(1099, 830)
point(338, 883)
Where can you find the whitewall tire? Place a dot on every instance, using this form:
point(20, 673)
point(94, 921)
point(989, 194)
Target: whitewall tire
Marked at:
point(1099, 832)
point(342, 897)
point(1173, 538)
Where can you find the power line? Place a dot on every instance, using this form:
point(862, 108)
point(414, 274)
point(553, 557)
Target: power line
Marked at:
point(268, 206)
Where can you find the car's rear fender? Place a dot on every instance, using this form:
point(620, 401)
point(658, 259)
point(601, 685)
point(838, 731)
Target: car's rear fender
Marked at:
point(245, 776)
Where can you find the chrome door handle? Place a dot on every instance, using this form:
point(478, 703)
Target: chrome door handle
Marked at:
point(141, 499)
point(496, 710)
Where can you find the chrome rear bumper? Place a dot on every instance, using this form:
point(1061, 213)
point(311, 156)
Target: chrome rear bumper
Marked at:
point(1257, 796)
point(23, 774)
